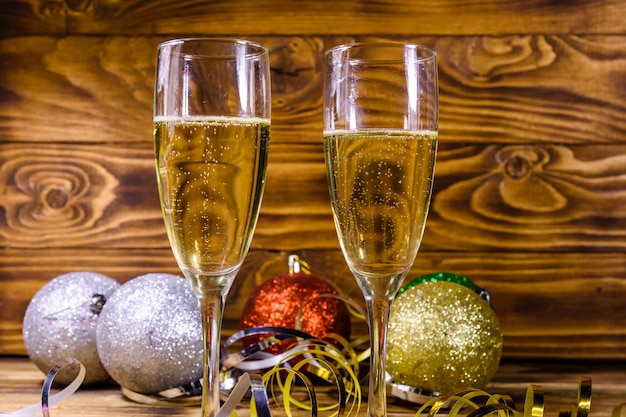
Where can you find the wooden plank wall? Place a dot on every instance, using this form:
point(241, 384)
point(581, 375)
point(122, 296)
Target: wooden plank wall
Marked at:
point(530, 190)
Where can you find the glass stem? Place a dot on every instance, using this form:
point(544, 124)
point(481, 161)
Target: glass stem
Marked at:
point(212, 307)
point(378, 310)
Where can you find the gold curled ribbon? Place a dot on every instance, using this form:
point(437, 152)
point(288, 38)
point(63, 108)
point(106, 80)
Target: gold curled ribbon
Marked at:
point(484, 404)
point(533, 406)
point(584, 397)
point(322, 355)
point(481, 401)
point(619, 411)
point(336, 361)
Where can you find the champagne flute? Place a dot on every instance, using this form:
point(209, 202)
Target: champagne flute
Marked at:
point(211, 134)
point(380, 141)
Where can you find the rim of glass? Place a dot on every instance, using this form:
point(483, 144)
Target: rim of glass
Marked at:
point(256, 49)
point(429, 53)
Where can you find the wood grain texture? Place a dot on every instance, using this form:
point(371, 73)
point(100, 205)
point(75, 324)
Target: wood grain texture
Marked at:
point(97, 103)
point(353, 17)
point(77, 90)
point(487, 197)
point(549, 305)
point(528, 198)
point(511, 89)
point(61, 195)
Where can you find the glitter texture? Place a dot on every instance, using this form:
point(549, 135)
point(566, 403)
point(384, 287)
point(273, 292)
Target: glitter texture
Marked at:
point(150, 334)
point(442, 336)
point(277, 301)
point(61, 321)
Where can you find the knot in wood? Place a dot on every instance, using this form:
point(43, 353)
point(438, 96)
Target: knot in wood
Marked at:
point(517, 167)
point(49, 196)
point(295, 73)
point(55, 198)
point(78, 5)
point(59, 8)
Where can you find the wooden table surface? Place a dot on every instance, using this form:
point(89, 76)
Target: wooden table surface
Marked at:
point(20, 386)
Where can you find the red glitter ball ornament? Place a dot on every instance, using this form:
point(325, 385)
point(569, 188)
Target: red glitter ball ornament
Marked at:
point(278, 301)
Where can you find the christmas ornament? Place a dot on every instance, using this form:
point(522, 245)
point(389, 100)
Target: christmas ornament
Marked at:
point(61, 321)
point(297, 300)
point(442, 335)
point(150, 334)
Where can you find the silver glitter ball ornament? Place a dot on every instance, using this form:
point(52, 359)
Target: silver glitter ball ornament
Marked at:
point(150, 334)
point(61, 322)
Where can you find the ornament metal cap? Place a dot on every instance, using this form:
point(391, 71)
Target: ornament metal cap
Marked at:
point(297, 265)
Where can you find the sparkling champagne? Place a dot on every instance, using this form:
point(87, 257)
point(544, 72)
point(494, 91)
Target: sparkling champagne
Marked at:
point(211, 177)
point(380, 181)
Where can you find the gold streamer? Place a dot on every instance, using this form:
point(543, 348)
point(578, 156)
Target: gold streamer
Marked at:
point(484, 404)
point(533, 406)
point(330, 364)
point(619, 411)
point(336, 361)
point(584, 397)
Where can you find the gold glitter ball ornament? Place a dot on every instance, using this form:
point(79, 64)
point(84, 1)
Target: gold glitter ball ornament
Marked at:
point(442, 335)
